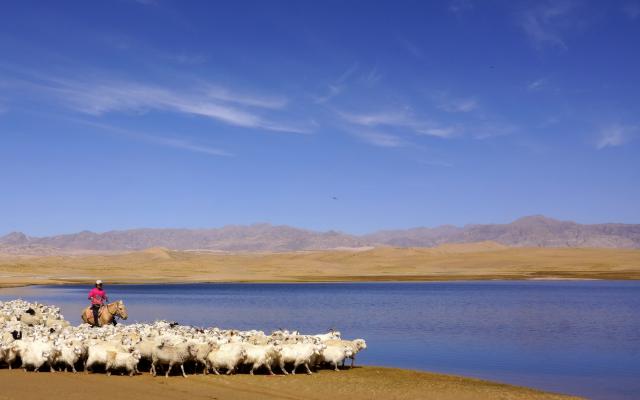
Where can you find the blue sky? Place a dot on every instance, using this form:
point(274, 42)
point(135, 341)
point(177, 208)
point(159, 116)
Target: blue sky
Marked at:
point(159, 113)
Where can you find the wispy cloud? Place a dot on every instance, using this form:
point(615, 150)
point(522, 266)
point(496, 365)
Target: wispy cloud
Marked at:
point(458, 105)
point(102, 96)
point(352, 76)
point(224, 94)
point(336, 87)
point(443, 100)
point(379, 139)
point(331, 92)
point(379, 118)
point(371, 78)
point(631, 10)
point(537, 84)
point(174, 142)
point(398, 119)
point(440, 132)
point(545, 22)
point(615, 135)
point(187, 145)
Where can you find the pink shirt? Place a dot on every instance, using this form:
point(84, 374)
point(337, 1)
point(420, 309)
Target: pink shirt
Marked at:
point(98, 296)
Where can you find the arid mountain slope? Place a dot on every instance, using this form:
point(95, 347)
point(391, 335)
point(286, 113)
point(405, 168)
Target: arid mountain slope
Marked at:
point(534, 231)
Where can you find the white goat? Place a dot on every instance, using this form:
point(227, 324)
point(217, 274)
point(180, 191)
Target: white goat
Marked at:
point(36, 354)
point(70, 354)
point(171, 354)
point(355, 345)
point(260, 355)
point(227, 356)
point(123, 360)
point(336, 354)
point(298, 354)
point(97, 353)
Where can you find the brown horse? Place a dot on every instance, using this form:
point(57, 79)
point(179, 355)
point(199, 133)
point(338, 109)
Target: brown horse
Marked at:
point(106, 314)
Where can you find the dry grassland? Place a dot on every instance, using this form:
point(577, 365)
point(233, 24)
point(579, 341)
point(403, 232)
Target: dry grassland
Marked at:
point(477, 261)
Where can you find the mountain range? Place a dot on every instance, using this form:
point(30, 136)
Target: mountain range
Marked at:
point(531, 231)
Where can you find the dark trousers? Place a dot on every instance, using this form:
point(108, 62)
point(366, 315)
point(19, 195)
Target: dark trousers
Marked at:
point(95, 308)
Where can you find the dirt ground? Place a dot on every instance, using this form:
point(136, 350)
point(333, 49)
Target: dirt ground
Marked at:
point(362, 383)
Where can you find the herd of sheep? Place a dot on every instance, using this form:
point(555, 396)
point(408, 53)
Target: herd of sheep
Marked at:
point(35, 335)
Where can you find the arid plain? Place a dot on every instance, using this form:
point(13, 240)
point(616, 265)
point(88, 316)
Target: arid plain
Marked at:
point(475, 261)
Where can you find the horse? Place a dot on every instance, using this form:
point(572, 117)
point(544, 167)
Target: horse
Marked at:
point(106, 314)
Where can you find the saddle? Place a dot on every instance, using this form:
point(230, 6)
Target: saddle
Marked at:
point(88, 313)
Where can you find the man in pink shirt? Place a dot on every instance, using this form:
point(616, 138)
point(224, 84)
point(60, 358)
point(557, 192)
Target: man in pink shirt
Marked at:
point(98, 298)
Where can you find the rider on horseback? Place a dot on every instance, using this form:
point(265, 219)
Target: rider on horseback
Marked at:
point(98, 298)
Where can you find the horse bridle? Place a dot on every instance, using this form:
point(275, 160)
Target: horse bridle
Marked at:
point(115, 313)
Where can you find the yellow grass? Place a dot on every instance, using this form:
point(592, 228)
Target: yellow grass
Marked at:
point(485, 260)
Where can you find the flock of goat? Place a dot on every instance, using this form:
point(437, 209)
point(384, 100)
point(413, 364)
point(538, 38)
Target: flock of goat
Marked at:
point(35, 335)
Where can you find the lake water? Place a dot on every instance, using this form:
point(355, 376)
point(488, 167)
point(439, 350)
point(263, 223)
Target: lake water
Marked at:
point(578, 337)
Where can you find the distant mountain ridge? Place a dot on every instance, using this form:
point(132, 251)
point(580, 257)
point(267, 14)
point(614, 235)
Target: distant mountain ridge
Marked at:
point(532, 231)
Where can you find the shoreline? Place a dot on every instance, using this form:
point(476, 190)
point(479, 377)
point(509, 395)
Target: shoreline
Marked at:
point(359, 383)
point(374, 279)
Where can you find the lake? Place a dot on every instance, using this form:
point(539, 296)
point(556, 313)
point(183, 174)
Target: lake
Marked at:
point(577, 337)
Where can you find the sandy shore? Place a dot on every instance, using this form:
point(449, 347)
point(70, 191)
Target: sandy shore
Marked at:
point(363, 383)
point(476, 261)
